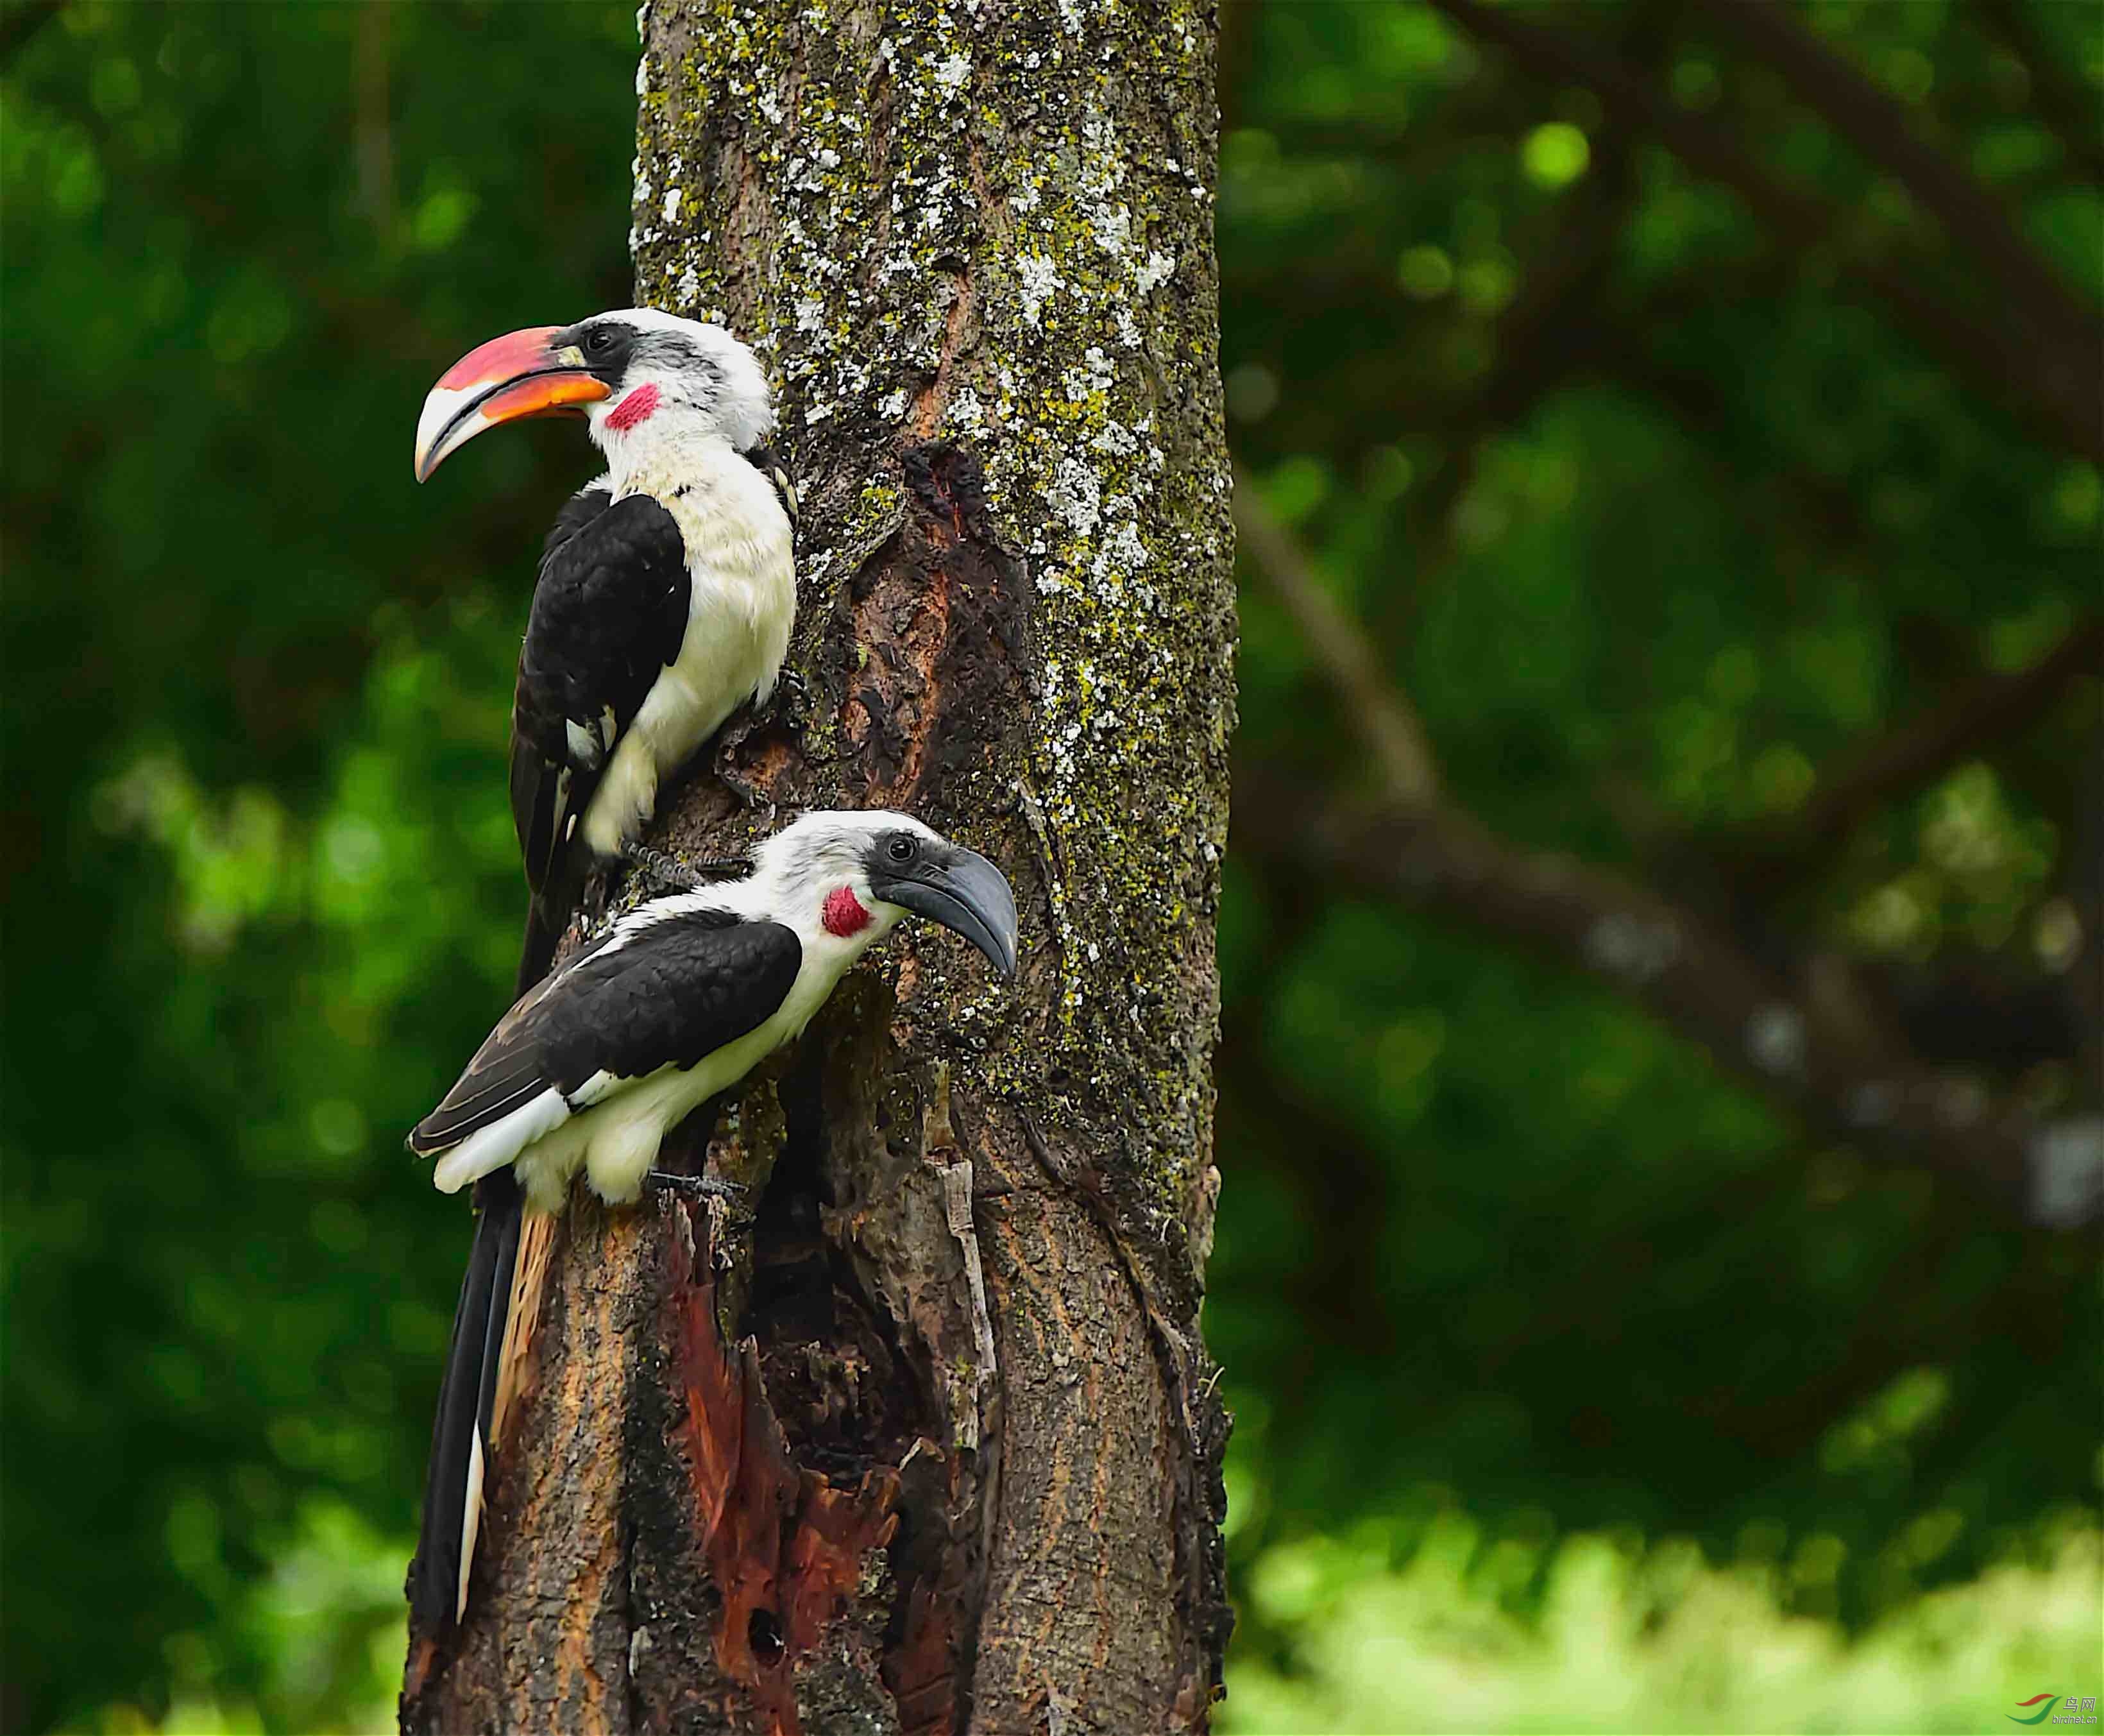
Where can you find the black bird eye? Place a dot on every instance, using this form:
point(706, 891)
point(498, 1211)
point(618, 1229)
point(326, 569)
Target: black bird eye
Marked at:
point(598, 342)
point(900, 849)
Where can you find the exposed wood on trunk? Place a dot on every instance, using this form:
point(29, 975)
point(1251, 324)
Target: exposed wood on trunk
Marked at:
point(767, 1480)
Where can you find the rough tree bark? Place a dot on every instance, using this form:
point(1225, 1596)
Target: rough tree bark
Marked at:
point(930, 1443)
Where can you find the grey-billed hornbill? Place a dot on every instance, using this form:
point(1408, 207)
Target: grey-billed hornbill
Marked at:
point(595, 1064)
point(666, 591)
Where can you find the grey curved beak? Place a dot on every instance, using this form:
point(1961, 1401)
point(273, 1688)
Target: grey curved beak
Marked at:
point(968, 895)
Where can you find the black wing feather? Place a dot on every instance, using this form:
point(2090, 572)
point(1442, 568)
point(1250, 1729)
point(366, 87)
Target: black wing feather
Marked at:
point(676, 991)
point(497, 1090)
point(609, 612)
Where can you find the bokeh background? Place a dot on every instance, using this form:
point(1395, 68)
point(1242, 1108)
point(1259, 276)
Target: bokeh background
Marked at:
point(1668, 444)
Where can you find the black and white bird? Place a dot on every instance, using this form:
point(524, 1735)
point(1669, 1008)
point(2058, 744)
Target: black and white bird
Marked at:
point(667, 587)
point(595, 1065)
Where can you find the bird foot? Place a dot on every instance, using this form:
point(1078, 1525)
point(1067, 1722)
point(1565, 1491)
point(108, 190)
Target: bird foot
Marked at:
point(668, 870)
point(790, 703)
point(692, 1187)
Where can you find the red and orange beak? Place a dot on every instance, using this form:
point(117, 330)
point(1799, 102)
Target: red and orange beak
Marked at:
point(508, 377)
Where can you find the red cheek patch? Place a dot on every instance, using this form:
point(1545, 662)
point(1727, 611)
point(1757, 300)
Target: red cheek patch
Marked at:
point(637, 407)
point(844, 915)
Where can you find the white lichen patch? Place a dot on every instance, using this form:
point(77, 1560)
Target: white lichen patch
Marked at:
point(1111, 225)
point(1123, 553)
point(1038, 279)
point(1092, 380)
point(1076, 497)
point(1114, 439)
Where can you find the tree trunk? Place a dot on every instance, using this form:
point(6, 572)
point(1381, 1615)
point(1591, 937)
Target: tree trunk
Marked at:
point(930, 1444)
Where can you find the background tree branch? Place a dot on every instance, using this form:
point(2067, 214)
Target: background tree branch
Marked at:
point(1383, 718)
point(2058, 388)
point(1884, 132)
point(1972, 718)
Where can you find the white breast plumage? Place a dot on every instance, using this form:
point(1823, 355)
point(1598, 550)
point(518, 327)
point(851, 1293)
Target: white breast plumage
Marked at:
point(742, 602)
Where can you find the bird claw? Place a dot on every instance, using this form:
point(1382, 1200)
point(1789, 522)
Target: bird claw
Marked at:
point(668, 870)
point(790, 703)
point(694, 1188)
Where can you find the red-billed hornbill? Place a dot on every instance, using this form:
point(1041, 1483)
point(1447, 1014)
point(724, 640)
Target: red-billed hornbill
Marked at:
point(666, 590)
point(593, 1066)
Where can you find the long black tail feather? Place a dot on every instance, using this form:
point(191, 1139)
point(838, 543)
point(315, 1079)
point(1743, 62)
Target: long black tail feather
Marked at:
point(459, 1434)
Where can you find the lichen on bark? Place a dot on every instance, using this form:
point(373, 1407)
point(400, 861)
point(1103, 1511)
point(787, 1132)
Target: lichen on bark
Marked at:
point(973, 244)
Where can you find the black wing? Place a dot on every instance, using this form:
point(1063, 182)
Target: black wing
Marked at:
point(672, 993)
point(609, 611)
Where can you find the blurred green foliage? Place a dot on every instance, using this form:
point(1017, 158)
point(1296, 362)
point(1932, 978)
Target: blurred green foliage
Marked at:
point(1576, 1388)
point(1627, 1639)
